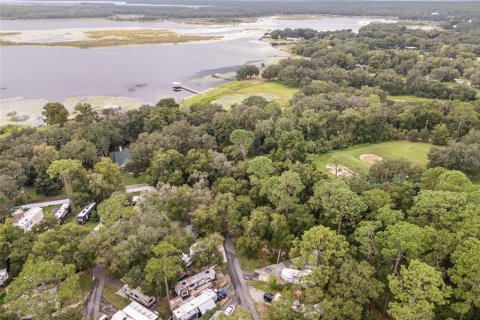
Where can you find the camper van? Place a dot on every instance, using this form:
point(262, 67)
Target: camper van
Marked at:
point(84, 215)
point(138, 296)
point(62, 213)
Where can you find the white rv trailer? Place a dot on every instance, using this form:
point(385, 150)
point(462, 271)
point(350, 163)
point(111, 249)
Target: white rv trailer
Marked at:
point(184, 287)
point(138, 296)
point(84, 215)
point(195, 308)
point(135, 311)
point(62, 212)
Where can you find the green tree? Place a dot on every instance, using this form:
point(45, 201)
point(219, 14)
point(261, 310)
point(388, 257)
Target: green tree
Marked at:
point(282, 238)
point(401, 240)
point(58, 244)
point(167, 167)
point(440, 134)
point(80, 149)
point(243, 141)
point(320, 246)
point(464, 274)
point(55, 113)
point(66, 170)
point(342, 206)
point(284, 190)
point(261, 166)
point(206, 253)
point(247, 71)
point(417, 290)
point(107, 176)
point(42, 288)
point(164, 267)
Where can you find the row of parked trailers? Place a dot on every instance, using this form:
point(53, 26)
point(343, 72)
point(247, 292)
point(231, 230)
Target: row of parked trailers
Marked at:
point(62, 213)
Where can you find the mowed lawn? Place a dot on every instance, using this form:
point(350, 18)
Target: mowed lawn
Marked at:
point(415, 152)
point(236, 91)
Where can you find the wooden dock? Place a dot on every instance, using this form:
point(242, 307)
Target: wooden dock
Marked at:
point(177, 86)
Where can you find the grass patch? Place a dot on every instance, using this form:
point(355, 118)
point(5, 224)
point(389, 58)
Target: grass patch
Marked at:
point(263, 286)
point(253, 264)
point(86, 282)
point(236, 91)
point(110, 38)
point(118, 301)
point(128, 179)
point(415, 152)
point(32, 195)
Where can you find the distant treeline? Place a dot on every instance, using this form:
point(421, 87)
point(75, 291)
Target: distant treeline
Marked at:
point(437, 11)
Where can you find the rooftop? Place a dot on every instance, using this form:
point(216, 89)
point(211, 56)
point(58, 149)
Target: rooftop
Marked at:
point(134, 311)
point(191, 305)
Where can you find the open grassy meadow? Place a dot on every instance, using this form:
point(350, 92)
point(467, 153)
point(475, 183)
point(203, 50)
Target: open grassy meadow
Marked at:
point(416, 152)
point(236, 91)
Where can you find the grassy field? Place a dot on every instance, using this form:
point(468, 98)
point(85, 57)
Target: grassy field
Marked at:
point(110, 38)
point(415, 152)
point(128, 179)
point(236, 91)
point(34, 196)
point(110, 295)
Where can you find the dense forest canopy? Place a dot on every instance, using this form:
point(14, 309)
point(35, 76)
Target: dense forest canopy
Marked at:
point(399, 239)
point(228, 10)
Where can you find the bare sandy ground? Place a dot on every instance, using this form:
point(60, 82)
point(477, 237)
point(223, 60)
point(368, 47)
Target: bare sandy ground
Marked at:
point(370, 158)
point(339, 170)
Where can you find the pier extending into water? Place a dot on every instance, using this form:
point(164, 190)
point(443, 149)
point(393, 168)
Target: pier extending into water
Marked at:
point(177, 86)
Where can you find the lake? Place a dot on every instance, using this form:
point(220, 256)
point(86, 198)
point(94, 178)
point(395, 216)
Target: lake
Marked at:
point(132, 75)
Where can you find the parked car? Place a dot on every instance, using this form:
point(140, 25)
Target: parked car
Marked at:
point(230, 309)
point(268, 297)
point(103, 317)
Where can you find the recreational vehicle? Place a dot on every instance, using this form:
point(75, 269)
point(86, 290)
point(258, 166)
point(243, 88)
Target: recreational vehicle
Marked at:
point(184, 287)
point(195, 308)
point(62, 213)
point(138, 296)
point(84, 215)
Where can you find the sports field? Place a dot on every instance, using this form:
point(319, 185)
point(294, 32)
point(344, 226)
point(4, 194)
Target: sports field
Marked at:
point(415, 152)
point(236, 91)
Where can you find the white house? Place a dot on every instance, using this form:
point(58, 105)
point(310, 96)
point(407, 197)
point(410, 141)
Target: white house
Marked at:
point(293, 275)
point(195, 308)
point(26, 220)
point(184, 287)
point(3, 276)
point(135, 311)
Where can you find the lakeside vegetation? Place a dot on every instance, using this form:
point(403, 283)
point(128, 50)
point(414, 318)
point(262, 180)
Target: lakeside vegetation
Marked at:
point(110, 38)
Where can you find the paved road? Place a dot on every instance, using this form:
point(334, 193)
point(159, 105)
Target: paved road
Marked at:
point(45, 203)
point(236, 275)
point(92, 305)
point(57, 202)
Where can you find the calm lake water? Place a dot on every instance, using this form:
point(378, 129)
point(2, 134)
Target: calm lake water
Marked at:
point(142, 72)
